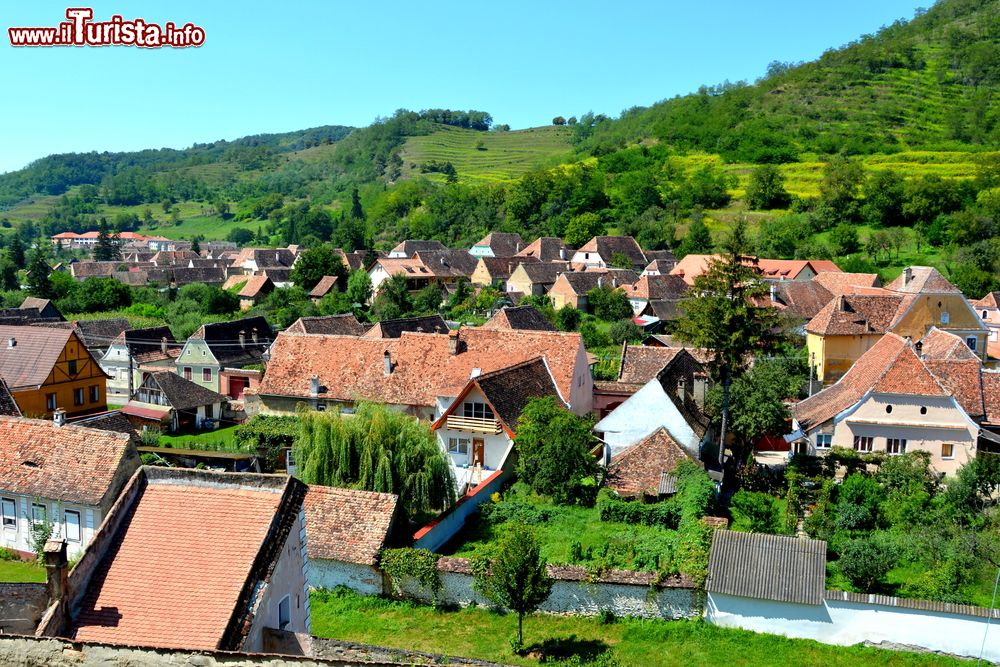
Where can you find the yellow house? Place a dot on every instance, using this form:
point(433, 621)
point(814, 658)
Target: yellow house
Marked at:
point(910, 306)
point(48, 369)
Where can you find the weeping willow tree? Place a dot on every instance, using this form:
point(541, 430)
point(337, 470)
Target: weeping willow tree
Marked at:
point(376, 449)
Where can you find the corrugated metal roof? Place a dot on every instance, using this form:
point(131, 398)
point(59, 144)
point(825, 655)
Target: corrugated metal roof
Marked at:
point(668, 484)
point(767, 567)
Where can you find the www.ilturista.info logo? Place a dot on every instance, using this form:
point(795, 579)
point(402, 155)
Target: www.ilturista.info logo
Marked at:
point(80, 30)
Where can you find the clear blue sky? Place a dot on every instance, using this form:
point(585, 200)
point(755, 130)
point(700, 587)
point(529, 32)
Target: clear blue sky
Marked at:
point(280, 66)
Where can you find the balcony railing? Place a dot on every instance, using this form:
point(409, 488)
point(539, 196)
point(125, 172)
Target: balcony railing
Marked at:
point(473, 424)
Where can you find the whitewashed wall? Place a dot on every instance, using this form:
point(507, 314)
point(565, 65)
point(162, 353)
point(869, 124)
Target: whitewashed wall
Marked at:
point(19, 538)
point(844, 623)
point(322, 573)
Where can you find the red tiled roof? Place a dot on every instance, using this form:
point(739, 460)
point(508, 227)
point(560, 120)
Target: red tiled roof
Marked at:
point(922, 279)
point(855, 314)
point(890, 366)
point(945, 346)
point(68, 463)
point(174, 578)
point(255, 286)
point(846, 283)
point(323, 287)
point(801, 298)
point(991, 395)
point(991, 300)
point(34, 353)
point(639, 469)
point(346, 524)
point(422, 366)
point(548, 249)
point(641, 363)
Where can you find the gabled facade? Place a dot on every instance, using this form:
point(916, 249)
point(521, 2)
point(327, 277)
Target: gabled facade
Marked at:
point(497, 244)
point(48, 369)
point(535, 278)
point(150, 348)
point(223, 345)
point(170, 403)
point(601, 251)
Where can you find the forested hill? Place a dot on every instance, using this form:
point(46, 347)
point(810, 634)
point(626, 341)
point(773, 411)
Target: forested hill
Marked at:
point(929, 83)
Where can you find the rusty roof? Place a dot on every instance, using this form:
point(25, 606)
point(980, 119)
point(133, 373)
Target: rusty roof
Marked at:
point(503, 244)
point(548, 249)
point(341, 325)
point(348, 525)
point(323, 287)
point(33, 355)
point(838, 282)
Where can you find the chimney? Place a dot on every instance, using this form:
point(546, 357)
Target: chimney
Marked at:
point(387, 360)
point(919, 346)
point(243, 338)
point(59, 416)
point(842, 303)
point(56, 569)
point(774, 293)
point(907, 275)
point(163, 344)
point(453, 342)
point(11, 343)
point(314, 386)
point(562, 254)
point(253, 334)
point(600, 281)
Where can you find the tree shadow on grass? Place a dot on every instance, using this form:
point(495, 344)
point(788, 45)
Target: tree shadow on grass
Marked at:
point(562, 648)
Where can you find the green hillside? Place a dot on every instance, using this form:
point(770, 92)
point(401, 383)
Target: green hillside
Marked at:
point(486, 156)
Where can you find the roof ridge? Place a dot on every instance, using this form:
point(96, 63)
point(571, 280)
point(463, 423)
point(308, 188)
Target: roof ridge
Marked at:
point(501, 371)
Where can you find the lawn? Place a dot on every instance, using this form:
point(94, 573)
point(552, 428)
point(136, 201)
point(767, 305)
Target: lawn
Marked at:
point(571, 529)
point(20, 571)
point(221, 439)
point(484, 635)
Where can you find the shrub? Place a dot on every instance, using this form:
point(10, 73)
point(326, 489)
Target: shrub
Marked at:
point(512, 510)
point(419, 564)
point(865, 561)
point(665, 514)
point(7, 554)
point(594, 336)
point(568, 318)
point(756, 512)
point(625, 330)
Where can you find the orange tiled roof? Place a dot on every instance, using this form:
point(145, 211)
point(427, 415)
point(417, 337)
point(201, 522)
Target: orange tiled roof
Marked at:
point(346, 524)
point(859, 314)
point(639, 469)
point(422, 366)
point(254, 287)
point(641, 363)
point(922, 279)
point(68, 463)
point(839, 282)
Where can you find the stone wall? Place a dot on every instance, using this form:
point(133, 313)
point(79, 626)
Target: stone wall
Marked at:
point(576, 591)
point(324, 573)
point(21, 607)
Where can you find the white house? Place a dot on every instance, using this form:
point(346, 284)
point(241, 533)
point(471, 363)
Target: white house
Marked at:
point(644, 412)
point(65, 475)
point(154, 347)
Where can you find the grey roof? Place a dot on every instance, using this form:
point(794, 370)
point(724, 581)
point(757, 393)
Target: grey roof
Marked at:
point(8, 406)
point(332, 325)
point(410, 247)
point(668, 484)
point(395, 328)
point(767, 567)
point(519, 317)
point(503, 244)
point(97, 335)
point(184, 394)
point(509, 390)
point(223, 339)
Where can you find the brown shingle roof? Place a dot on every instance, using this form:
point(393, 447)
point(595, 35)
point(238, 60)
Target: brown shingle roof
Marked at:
point(346, 524)
point(335, 325)
point(941, 345)
point(146, 345)
point(548, 249)
point(69, 463)
point(8, 406)
point(641, 363)
point(256, 286)
point(323, 287)
point(658, 287)
point(519, 317)
point(991, 395)
point(411, 247)
point(639, 469)
point(544, 273)
point(207, 537)
point(802, 299)
point(501, 268)
point(767, 567)
point(396, 328)
point(922, 279)
point(223, 339)
point(858, 314)
point(503, 244)
point(422, 366)
point(846, 283)
point(447, 263)
point(608, 246)
point(509, 390)
point(183, 394)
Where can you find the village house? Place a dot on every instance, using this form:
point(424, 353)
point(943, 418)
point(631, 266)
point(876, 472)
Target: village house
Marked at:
point(526, 318)
point(173, 258)
point(897, 398)
point(419, 373)
point(603, 251)
point(346, 530)
point(660, 267)
point(50, 368)
point(237, 545)
point(535, 278)
point(46, 309)
point(256, 288)
point(654, 287)
point(251, 261)
point(325, 285)
point(497, 244)
point(166, 401)
point(443, 268)
point(799, 300)
point(409, 248)
point(692, 266)
point(134, 352)
point(570, 289)
point(64, 474)
point(646, 469)
point(496, 271)
point(921, 298)
point(224, 346)
point(479, 428)
point(334, 325)
point(989, 312)
point(548, 249)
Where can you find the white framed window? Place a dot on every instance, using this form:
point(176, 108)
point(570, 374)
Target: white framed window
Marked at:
point(206, 374)
point(863, 443)
point(947, 451)
point(971, 342)
point(78, 396)
point(187, 372)
point(824, 440)
point(476, 410)
point(72, 525)
point(284, 612)
point(39, 513)
point(95, 393)
point(895, 446)
point(458, 446)
point(945, 317)
point(8, 510)
point(50, 402)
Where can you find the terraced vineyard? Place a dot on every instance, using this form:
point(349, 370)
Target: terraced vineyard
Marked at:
point(486, 156)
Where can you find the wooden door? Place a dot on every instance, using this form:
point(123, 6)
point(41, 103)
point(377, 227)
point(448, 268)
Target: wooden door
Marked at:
point(478, 451)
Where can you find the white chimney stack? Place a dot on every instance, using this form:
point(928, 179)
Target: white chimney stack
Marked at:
point(11, 343)
point(314, 386)
point(387, 361)
point(59, 417)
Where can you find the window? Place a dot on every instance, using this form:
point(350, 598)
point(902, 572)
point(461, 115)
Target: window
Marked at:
point(945, 317)
point(50, 402)
point(8, 509)
point(206, 374)
point(971, 342)
point(458, 446)
point(289, 461)
point(863, 443)
point(204, 353)
point(923, 409)
point(38, 513)
point(71, 367)
point(209, 411)
point(78, 396)
point(947, 451)
point(95, 393)
point(284, 612)
point(72, 525)
point(888, 409)
point(477, 410)
point(895, 446)
point(187, 372)
point(824, 440)
point(984, 314)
